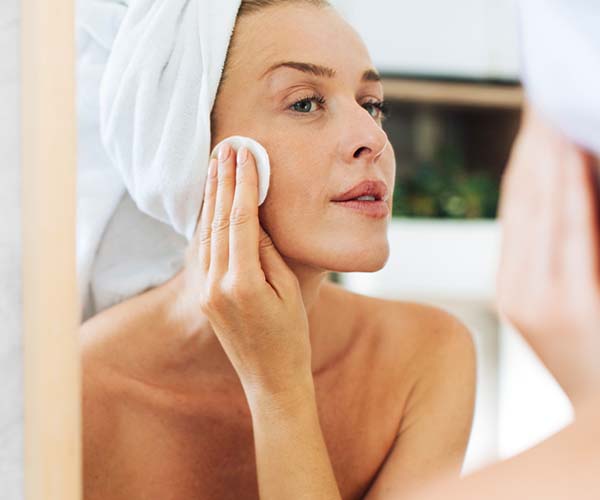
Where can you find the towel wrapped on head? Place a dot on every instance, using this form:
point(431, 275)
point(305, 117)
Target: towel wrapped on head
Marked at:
point(148, 75)
point(156, 98)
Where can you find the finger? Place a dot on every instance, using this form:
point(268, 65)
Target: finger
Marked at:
point(206, 217)
point(243, 229)
point(277, 272)
point(219, 250)
point(517, 209)
point(528, 212)
point(548, 227)
point(581, 240)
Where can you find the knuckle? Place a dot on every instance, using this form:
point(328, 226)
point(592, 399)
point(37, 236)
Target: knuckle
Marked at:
point(239, 216)
point(225, 180)
point(265, 242)
point(212, 299)
point(240, 292)
point(236, 288)
point(204, 235)
point(220, 223)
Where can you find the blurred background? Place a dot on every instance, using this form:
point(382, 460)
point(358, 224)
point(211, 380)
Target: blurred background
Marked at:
point(451, 78)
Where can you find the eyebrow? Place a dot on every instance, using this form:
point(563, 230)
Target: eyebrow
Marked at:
point(369, 75)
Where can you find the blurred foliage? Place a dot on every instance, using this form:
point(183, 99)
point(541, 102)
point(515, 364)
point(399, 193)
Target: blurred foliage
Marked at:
point(444, 188)
point(334, 277)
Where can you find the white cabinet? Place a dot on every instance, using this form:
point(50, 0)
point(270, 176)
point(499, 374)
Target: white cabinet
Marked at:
point(458, 38)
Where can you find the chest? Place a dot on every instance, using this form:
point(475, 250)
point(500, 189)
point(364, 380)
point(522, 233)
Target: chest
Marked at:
point(207, 452)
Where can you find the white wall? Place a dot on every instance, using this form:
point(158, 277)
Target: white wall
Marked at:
point(532, 404)
point(458, 38)
point(11, 403)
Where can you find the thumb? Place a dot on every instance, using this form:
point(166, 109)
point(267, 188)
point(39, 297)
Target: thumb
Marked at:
point(275, 268)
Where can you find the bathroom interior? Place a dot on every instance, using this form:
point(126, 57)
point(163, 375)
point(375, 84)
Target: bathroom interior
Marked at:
point(452, 82)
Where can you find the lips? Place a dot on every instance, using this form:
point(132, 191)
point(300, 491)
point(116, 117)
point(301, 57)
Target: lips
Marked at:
point(374, 188)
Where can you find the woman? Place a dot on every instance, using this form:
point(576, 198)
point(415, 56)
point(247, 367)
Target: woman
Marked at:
point(190, 389)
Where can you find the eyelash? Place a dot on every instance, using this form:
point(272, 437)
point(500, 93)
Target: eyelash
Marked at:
point(380, 105)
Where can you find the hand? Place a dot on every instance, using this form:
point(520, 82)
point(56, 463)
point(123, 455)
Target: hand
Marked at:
point(237, 278)
point(549, 279)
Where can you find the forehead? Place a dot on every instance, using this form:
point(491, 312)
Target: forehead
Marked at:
point(299, 32)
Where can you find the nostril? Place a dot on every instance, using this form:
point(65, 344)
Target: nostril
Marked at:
point(358, 152)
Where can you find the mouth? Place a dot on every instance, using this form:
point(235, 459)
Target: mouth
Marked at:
point(367, 190)
point(368, 198)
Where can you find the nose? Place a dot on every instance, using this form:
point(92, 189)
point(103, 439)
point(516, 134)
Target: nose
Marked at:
point(364, 138)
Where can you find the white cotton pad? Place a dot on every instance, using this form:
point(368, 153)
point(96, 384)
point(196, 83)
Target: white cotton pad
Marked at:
point(263, 166)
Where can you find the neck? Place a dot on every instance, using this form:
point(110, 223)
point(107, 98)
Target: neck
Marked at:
point(199, 345)
point(310, 281)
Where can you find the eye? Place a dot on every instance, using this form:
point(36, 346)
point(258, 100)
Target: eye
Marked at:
point(304, 106)
point(379, 109)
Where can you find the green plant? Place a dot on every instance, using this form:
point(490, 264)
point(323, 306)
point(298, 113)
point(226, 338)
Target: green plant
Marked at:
point(444, 188)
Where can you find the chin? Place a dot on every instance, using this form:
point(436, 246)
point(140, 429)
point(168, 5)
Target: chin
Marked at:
point(368, 259)
point(336, 251)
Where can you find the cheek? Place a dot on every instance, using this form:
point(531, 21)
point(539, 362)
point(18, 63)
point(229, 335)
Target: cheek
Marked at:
point(388, 167)
point(293, 197)
point(295, 203)
point(389, 160)
point(286, 223)
point(298, 175)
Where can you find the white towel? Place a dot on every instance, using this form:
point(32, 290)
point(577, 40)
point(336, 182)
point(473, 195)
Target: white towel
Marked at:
point(148, 73)
point(156, 96)
point(560, 44)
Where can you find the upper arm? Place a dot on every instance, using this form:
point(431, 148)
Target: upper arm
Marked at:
point(436, 422)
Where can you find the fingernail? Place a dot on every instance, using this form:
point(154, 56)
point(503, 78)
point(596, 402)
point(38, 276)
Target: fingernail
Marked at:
point(242, 155)
point(224, 152)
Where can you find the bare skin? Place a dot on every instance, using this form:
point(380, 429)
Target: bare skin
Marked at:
point(190, 389)
point(179, 427)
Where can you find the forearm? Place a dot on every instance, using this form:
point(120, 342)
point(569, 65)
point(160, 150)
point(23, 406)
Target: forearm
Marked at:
point(564, 466)
point(291, 455)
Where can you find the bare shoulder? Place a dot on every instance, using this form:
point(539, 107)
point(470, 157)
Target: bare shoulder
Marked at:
point(426, 358)
point(426, 327)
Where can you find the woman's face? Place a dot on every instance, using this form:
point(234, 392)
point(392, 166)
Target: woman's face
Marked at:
point(318, 150)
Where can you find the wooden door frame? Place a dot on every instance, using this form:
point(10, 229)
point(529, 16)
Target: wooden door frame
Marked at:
point(52, 403)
